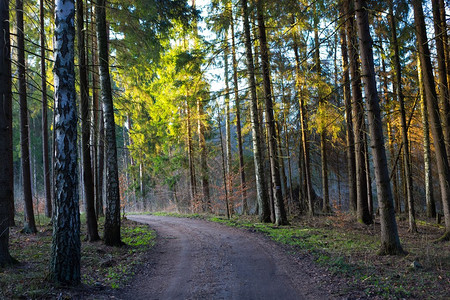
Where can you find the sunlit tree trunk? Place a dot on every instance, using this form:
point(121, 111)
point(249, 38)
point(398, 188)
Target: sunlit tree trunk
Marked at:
point(6, 180)
point(263, 203)
point(193, 185)
point(237, 104)
point(433, 113)
point(429, 195)
point(45, 152)
point(29, 224)
point(442, 72)
point(390, 242)
point(88, 180)
point(362, 209)
point(112, 214)
point(280, 211)
point(66, 244)
point(350, 138)
point(405, 140)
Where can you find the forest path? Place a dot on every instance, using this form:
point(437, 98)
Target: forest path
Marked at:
point(197, 259)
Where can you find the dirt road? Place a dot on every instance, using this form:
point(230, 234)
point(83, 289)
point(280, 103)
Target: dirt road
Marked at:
point(196, 259)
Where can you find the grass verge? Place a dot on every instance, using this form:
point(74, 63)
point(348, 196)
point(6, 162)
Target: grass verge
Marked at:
point(348, 250)
point(102, 267)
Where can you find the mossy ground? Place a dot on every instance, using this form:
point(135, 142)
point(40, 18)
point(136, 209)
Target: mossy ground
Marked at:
point(102, 267)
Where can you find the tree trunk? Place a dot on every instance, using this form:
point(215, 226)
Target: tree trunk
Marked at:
point(206, 201)
point(193, 185)
point(362, 209)
point(88, 181)
point(238, 122)
point(280, 211)
point(227, 116)
point(304, 131)
point(45, 152)
point(433, 113)
point(224, 173)
point(391, 138)
point(100, 164)
point(66, 244)
point(405, 141)
point(350, 138)
point(262, 198)
point(112, 215)
point(390, 242)
point(429, 195)
point(442, 71)
point(29, 224)
point(6, 181)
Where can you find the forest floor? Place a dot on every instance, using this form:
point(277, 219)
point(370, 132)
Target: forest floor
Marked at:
point(313, 258)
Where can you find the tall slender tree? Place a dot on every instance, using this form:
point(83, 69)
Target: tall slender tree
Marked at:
point(66, 244)
point(112, 215)
point(30, 224)
point(429, 194)
point(433, 113)
point(262, 197)
point(280, 211)
point(405, 140)
point(45, 151)
point(390, 242)
point(362, 209)
point(6, 180)
point(88, 180)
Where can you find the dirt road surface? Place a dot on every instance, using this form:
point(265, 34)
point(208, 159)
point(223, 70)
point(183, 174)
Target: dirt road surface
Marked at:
point(196, 259)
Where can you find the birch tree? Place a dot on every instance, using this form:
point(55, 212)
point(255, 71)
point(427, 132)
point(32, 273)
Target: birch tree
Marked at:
point(66, 244)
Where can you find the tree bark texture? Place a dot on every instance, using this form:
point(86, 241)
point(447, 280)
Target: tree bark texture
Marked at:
point(29, 224)
point(433, 113)
point(201, 129)
point(66, 244)
point(390, 242)
point(6, 180)
point(112, 214)
point(280, 211)
point(229, 169)
point(262, 197)
point(88, 180)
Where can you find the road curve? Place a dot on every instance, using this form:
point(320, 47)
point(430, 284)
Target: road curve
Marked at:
point(197, 259)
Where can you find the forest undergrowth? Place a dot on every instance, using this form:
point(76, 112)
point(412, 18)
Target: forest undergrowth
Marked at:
point(349, 249)
point(102, 268)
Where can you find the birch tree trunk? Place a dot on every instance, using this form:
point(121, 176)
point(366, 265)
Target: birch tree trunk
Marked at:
point(29, 224)
point(112, 214)
point(433, 113)
point(390, 242)
point(6, 180)
point(262, 198)
point(429, 195)
point(66, 245)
